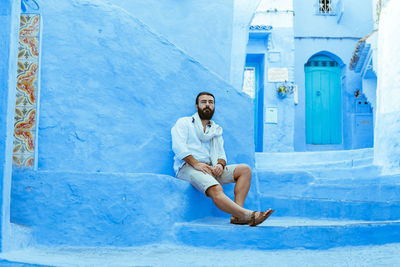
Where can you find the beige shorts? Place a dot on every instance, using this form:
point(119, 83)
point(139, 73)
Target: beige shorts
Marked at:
point(202, 181)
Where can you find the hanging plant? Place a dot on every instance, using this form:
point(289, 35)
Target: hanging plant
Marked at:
point(282, 91)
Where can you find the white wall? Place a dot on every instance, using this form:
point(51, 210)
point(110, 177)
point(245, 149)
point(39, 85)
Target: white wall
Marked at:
point(387, 127)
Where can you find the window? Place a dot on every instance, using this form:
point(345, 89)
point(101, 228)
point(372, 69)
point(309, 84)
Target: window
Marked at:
point(325, 7)
point(249, 81)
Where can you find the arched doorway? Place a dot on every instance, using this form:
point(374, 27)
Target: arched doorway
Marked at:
point(323, 101)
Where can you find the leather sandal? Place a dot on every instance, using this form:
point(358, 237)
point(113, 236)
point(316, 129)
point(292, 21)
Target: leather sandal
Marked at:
point(262, 216)
point(236, 220)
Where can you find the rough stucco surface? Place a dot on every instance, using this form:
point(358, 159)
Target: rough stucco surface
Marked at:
point(202, 28)
point(5, 19)
point(9, 23)
point(108, 209)
point(356, 21)
point(162, 255)
point(243, 13)
point(112, 89)
point(387, 128)
point(279, 137)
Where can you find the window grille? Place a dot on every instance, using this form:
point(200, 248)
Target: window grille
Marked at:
point(325, 7)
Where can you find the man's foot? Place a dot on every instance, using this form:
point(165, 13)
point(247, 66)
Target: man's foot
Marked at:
point(255, 218)
point(259, 217)
point(236, 220)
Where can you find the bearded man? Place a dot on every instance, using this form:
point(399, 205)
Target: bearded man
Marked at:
point(200, 159)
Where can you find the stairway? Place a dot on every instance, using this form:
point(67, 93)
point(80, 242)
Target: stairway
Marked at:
point(323, 200)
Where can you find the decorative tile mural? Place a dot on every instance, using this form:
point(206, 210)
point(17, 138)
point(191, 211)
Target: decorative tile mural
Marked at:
point(26, 91)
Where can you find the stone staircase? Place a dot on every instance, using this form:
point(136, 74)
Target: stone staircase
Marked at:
point(322, 200)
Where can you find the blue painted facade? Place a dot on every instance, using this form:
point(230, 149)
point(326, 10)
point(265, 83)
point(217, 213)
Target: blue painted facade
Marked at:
point(9, 22)
point(299, 32)
point(107, 117)
point(112, 86)
point(272, 37)
point(334, 35)
point(115, 82)
point(387, 148)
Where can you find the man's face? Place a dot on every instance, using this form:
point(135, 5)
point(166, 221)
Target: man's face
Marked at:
point(205, 107)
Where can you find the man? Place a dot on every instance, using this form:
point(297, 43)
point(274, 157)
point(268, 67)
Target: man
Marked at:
point(200, 159)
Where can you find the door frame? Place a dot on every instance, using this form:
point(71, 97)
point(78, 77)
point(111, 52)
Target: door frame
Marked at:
point(258, 62)
point(339, 66)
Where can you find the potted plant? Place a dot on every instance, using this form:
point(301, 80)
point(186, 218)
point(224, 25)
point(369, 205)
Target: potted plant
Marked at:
point(282, 91)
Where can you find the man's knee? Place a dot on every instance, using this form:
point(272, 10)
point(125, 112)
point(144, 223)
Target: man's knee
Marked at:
point(214, 191)
point(242, 170)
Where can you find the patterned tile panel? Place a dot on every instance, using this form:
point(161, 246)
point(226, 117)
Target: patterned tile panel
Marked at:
point(26, 91)
point(29, 25)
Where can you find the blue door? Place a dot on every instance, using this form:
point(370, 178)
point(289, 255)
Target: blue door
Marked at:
point(323, 101)
point(253, 86)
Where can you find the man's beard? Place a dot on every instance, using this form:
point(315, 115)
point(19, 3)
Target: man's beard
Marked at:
point(206, 113)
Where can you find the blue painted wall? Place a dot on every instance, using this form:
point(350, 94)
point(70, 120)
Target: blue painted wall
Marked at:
point(387, 127)
point(279, 137)
point(9, 23)
point(356, 20)
point(201, 28)
point(278, 51)
point(103, 209)
point(318, 34)
point(111, 89)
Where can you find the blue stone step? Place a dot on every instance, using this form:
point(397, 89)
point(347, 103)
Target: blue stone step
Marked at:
point(319, 159)
point(286, 233)
point(299, 193)
point(353, 172)
point(376, 180)
point(320, 165)
point(328, 208)
point(183, 256)
point(334, 173)
point(7, 263)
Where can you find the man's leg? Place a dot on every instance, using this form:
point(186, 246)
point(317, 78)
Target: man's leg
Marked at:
point(224, 203)
point(242, 176)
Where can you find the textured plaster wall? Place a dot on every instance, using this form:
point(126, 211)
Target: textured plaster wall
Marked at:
point(106, 209)
point(112, 89)
point(322, 34)
point(369, 89)
point(242, 16)
point(8, 38)
point(387, 127)
point(280, 42)
point(357, 19)
point(279, 137)
point(201, 28)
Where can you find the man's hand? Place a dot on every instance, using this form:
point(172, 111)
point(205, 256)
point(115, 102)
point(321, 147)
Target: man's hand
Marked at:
point(217, 170)
point(205, 168)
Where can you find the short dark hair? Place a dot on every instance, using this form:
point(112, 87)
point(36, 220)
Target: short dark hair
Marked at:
point(203, 93)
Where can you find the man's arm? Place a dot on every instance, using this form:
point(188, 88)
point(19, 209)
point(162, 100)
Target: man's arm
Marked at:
point(179, 135)
point(218, 169)
point(198, 165)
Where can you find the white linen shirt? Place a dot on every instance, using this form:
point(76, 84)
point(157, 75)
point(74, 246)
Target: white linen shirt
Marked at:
point(185, 142)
